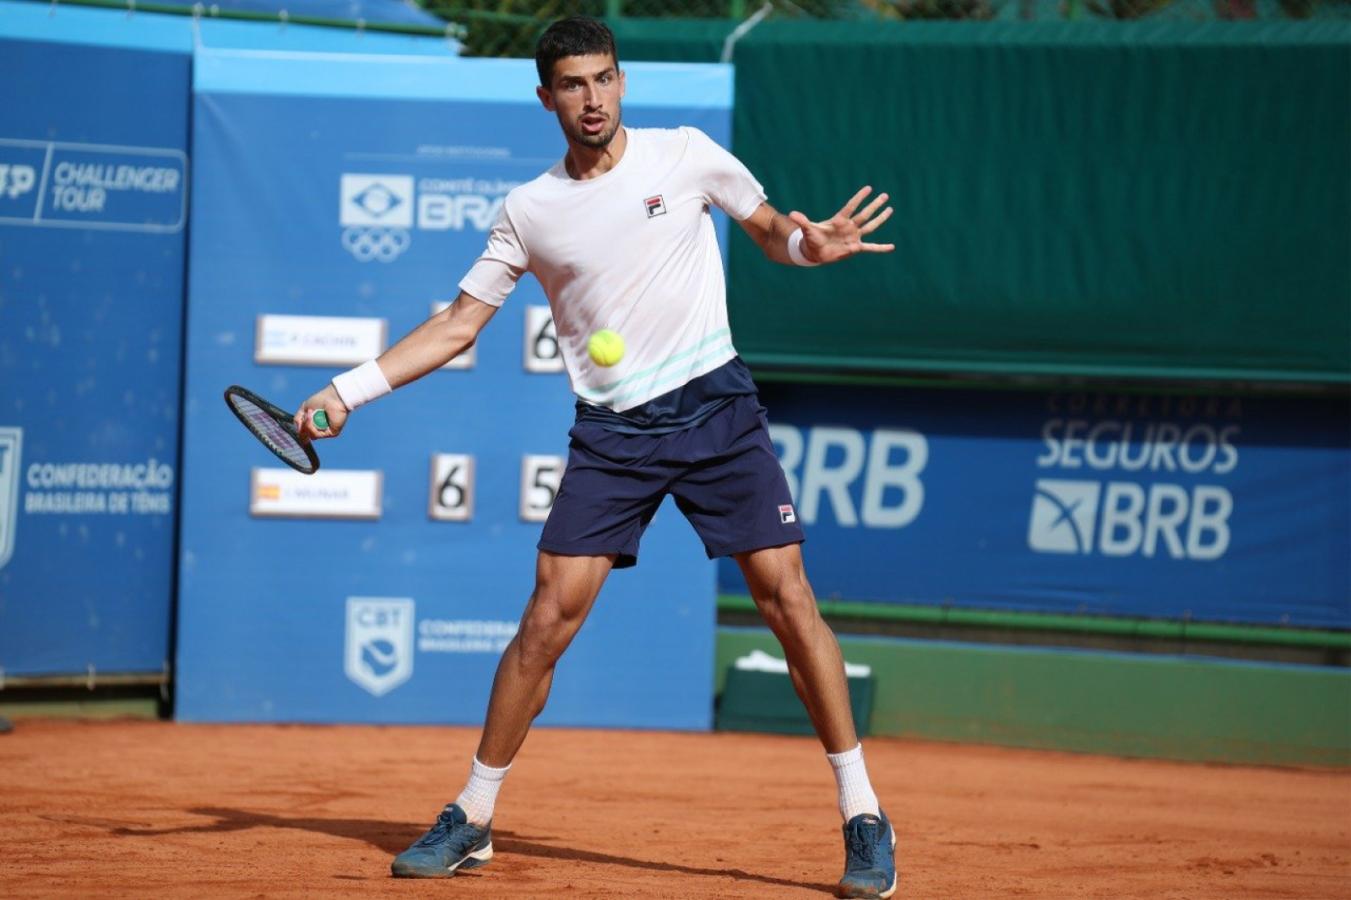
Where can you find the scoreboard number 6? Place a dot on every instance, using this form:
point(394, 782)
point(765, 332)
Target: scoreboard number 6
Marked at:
point(451, 496)
point(542, 353)
point(540, 478)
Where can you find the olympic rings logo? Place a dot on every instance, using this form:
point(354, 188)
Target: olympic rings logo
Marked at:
point(384, 244)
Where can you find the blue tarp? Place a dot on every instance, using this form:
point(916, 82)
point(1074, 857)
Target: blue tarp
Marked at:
point(371, 12)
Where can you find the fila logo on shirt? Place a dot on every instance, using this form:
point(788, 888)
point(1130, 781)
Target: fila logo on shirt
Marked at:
point(786, 514)
point(655, 205)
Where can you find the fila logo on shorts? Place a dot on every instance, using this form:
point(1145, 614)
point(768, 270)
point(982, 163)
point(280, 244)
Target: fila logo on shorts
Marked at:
point(786, 514)
point(656, 206)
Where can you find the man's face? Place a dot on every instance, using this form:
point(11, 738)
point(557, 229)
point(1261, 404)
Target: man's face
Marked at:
point(585, 95)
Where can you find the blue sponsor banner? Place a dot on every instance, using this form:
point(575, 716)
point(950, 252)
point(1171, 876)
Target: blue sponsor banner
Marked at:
point(93, 193)
point(1212, 508)
point(93, 186)
point(385, 587)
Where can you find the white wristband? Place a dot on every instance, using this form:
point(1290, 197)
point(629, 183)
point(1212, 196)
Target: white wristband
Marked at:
point(361, 385)
point(795, 250)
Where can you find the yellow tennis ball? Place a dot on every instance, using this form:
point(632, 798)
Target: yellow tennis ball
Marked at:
point(605, 347)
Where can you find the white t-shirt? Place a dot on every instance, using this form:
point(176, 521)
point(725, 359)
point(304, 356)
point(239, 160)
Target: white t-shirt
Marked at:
point(632, 250)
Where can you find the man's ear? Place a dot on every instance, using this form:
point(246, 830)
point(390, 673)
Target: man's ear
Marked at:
point(546, 97)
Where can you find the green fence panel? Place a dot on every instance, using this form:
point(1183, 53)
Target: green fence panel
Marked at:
point(1119, 200)
point(671, 40)
point(1132, 705)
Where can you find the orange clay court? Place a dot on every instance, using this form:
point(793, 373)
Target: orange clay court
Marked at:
point(157, 809)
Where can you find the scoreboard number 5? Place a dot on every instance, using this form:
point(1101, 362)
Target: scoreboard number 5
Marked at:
point(542, 353)
point(451, 496)
point(540, 478)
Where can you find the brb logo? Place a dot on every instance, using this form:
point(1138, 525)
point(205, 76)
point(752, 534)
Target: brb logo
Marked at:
point(827, 465)
point(379, 652)
point(11, 444)
point(379, 212)
point(1178, 514)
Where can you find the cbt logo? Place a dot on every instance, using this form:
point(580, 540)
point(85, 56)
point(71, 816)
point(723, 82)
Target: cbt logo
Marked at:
point(376, 215)
point(379, 651)
point(11, 446)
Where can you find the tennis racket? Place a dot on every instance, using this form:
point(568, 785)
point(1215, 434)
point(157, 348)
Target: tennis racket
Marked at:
point(275, 428)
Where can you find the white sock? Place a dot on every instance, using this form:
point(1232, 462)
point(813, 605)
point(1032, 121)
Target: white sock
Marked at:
point(480, 794)
point(851, 777)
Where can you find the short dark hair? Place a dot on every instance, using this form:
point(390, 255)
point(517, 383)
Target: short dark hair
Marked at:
point(573, 36)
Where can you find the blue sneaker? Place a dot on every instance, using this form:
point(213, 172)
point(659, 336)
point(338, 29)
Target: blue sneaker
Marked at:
point(869, 857)
point(451, 845)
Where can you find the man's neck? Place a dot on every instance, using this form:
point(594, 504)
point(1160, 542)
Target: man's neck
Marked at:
point(585, 162)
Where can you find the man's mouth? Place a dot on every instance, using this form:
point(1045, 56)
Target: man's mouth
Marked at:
point(593, 124)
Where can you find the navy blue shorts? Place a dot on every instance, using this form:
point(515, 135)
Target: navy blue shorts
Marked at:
point(723, 474)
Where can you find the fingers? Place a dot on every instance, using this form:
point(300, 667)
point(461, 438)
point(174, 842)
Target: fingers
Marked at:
point(871, 208)
point(876, 248)
point(876, 223)
point(800, 220)
point(305, 425)
point(307, 429)
point(848, 209)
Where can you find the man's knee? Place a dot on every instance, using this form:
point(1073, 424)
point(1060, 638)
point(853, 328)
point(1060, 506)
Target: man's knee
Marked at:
point(553, 616)
point(789, 604)
point(544, 632)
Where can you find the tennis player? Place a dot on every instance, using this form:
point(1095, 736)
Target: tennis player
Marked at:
point(619, 235)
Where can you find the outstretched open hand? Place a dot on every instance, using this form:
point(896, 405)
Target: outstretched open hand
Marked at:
point(841, 236)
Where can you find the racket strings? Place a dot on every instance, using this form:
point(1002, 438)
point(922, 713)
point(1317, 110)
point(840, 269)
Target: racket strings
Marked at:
point(270, 426)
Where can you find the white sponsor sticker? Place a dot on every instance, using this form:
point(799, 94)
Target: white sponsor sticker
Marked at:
point(327, 494)
point(318, 340)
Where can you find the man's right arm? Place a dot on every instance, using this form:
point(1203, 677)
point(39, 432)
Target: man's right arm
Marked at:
point(425, 349)
point(436, 341)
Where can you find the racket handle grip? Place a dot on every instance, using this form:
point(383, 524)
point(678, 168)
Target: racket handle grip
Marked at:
point(321, 420)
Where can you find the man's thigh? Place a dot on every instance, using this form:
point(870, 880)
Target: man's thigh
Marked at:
point(737, 498)
point(606, 499)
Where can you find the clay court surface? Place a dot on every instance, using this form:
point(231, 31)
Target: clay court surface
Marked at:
point(152, 809)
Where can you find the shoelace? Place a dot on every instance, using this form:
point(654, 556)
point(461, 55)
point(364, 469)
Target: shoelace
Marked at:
point(862, 840)
point(445, 824)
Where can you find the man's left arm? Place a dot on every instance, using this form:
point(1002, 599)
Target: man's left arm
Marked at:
point(793, 239)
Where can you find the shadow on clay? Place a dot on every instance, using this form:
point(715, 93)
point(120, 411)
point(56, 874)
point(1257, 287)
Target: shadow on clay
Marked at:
point(394, 837)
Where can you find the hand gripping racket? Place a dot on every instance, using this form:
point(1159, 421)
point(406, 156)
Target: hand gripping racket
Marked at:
point(275, 428)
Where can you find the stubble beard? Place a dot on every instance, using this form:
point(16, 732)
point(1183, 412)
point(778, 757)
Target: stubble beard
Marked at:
point(598, 141)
